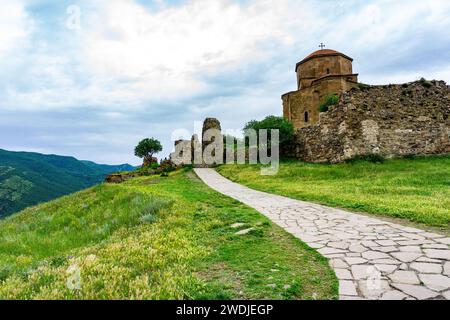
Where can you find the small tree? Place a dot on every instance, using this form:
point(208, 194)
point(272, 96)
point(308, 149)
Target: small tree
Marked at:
point(147, 148)
point(285, 128)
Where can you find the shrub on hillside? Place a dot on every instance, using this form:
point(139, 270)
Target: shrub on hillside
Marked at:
point(425, 83)
point(363, 86)
point(329, 101)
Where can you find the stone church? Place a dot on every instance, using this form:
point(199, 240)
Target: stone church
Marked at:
point(322, 73)
point(388, 120)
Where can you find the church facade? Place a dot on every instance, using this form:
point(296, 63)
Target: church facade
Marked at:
point(319, 75)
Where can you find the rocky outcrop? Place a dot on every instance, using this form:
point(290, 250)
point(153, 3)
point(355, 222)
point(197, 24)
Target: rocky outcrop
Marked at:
point(121, 177)
point(392, 120)
point(149, 161)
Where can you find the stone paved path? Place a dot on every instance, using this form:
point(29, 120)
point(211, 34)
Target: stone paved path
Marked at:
point(373, 259)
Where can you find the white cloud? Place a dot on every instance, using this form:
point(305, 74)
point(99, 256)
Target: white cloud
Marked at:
point(165, 54)
point(15, 26)
point(126, 54)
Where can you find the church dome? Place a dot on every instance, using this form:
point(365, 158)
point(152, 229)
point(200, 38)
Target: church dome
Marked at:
point(322, 53)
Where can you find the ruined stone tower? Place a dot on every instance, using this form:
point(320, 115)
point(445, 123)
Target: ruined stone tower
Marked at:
point(321, 74)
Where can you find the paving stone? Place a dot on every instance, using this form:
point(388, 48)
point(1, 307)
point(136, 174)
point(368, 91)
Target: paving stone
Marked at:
point(447, 268)
point(406, 256)
point(386, 261)
point(446, 295)
point(413, 236)
point(407, 277)
point(372, 255)
point(357, 248)
point(413, 242)
point(443, 240)
point(412, 230)
point(386, 243)
point(353, 261)
point(369, 243)
point(338, 263)
point(347, 288)
point(350, 298)
point(393, 295)
point(237, 225)
point(334, 256)
point(316, 245)
point(437, 254)
point(343, 274)
point(435, 282)
point(426, 267)
point(327, 250)
point(373, 289)
point(428, 260)
point(431, 235)
point(418, 292)
point(354, 255)
point(434, 246)
point(338, 245)
point(386, 268)
point(410, 249)
point(361, 271)
point(244, 232)
point(386, 249)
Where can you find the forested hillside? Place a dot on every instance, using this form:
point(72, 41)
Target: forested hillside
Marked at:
point(29, 178)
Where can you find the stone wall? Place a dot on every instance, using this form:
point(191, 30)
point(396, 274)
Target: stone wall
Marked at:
point(393, 120)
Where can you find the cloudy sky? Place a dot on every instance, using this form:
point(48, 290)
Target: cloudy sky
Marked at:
point(90, 78)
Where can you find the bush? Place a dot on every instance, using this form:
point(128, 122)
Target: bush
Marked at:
point(286, 130)
point(154, 165)
point(425, 83)
point(363, 86)
point(330, 100)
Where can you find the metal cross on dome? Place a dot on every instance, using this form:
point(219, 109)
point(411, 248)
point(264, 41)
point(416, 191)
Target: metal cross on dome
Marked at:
point(321, 46)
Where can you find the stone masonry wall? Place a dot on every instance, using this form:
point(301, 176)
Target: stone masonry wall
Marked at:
point(393, 120)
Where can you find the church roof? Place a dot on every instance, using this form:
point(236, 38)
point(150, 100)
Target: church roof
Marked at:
point(322, 53)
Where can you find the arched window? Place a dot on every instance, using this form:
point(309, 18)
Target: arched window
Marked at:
point(328, 71)
point(306, 116)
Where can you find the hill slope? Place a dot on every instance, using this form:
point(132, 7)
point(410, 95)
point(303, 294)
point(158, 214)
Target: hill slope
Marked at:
point(28, 178)
point(155, 238)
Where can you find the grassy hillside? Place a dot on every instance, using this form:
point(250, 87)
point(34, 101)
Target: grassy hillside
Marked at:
point(155, 238)
point(29, 178)
point(416, 189)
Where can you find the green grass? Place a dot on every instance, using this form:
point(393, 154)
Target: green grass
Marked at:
point(155, 238)
point(416, 189)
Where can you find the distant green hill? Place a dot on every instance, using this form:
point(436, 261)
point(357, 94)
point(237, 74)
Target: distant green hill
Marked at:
point(28, 178)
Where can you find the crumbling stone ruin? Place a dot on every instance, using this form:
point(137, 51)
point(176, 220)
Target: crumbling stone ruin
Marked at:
point(208, 152)
point(212, 142)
